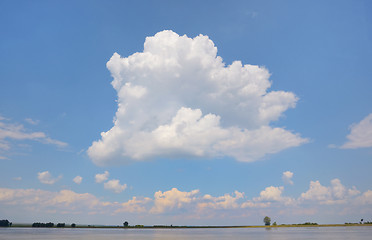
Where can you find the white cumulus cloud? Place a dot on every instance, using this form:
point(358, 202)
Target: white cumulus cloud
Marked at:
point(64, 201)
point(101, 177)
point(172, 199)
point(273, 195)
point(366, 198)
point(270, 194)
point(333, 200)
point(316, 192)
point(360, 134)
point(115, 186)
point(47, 178)
point(134, 205)
point(178, 98)
point(287, 177)
point(335, 194)
point(78, 179)
point(226, 201)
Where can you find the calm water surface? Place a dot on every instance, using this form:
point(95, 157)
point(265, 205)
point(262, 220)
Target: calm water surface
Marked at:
point(339, 233)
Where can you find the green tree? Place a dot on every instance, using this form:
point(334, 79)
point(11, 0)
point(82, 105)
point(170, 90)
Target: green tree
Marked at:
point(5, 223)
point(61, 225)
point(267, 221)
point(126, 224)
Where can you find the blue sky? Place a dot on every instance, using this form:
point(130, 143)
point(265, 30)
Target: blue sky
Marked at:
point(197, 137)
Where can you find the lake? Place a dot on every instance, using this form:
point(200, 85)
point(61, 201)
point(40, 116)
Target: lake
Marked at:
point(308, 233)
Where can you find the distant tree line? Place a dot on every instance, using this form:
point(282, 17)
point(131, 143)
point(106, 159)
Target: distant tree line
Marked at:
point(61, 225)
point(162, 226)
point(126, 225)
point(46, 225)
point(307, 223)
point(5, 223)
point(367, 222)
point(50, 224)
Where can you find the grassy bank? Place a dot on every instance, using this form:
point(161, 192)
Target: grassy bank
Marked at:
point(23, 225)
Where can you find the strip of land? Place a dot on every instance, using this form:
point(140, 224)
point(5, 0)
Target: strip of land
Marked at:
point(21, 225)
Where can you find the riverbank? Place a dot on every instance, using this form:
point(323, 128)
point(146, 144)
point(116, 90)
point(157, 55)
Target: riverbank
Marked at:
point(23, 225)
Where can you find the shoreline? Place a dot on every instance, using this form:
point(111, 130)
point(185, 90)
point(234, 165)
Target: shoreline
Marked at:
point(193, 227)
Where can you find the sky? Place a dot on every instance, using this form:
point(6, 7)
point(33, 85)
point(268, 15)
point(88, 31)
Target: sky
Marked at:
point(185, 112)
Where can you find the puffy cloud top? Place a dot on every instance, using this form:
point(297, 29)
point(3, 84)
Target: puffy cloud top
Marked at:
point(101, 177)
point(177, 98)
point(287, 177)
point(194, 205)
point(336, 193)
point(172, 199)
point(115, 186)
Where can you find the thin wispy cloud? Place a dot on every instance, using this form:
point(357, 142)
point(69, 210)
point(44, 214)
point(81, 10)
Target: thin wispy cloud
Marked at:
point(31, 121)
point(10, 132)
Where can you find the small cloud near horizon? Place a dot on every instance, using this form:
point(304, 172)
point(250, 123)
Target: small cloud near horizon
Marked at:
point(336, 198)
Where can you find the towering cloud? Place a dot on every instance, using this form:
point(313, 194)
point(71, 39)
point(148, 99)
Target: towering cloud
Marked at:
point(177, 98)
